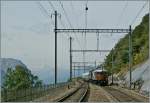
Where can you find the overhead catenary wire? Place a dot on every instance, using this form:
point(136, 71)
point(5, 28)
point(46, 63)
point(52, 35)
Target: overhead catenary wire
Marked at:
point(122, 12)
point(63, 25)
point(139, 12)
point(61, 20)
point(44, 11)
point(86, 17)
point(75, 13)
point(72, 6)
point(73, 9)
point(62, 39)
point(120, 16)
point(52, 6)
point(66, 15)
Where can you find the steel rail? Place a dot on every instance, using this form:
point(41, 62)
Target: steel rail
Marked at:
point(120, 99)
point(83, 96)
point(65, 97)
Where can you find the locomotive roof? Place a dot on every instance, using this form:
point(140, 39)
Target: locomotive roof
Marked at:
point(99, 70)
point(84, 74)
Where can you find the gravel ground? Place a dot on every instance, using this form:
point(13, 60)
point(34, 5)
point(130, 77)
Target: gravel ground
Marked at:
point(132, 93)
point(97, 94)
point(112, 94)
point(124, 96)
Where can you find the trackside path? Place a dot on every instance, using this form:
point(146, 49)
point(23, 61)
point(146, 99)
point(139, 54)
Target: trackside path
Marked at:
point(98, 94)
point(124, 95)
point(112, 94)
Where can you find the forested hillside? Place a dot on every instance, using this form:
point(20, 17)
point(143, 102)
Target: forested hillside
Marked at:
point(140, 49)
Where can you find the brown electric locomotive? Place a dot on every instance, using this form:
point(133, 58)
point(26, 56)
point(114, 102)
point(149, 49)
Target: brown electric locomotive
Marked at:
point(99, 77)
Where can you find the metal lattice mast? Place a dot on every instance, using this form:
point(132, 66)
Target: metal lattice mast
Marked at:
point(112, 66)
point(70, 58)
point(55, 47)
point(130, 55)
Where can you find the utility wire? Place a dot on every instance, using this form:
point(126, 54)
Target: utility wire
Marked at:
point(73, 9)
point(62, 49)
point(64, 26)
point(44, 11)
point(65, 14)
point(52, 6)
point(121, 15)
point(72, 6)
point(68, 20)
point(139, 12)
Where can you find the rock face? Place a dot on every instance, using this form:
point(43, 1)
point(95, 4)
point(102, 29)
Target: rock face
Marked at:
point(6, 63)
point(141, 75)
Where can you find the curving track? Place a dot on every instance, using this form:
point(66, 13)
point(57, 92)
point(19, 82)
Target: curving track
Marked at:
point(76, 96)
point(94, 93)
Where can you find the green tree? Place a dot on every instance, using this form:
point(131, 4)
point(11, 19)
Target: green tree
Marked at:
point(20, 78)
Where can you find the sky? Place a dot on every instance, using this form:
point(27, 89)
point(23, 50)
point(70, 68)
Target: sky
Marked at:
point(27, 30)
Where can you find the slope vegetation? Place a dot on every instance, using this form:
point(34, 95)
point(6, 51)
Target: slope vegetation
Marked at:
point(140, 49)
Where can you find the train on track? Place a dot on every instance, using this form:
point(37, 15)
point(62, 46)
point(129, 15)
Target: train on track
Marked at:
point(97, 76)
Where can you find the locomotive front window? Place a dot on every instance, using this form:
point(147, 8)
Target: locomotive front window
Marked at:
point(100, 73)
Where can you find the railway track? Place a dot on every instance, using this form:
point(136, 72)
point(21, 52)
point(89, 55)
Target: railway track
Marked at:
point(77, 95)
point(111, 94)
point(93, 93)
point(121, 96)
